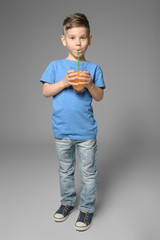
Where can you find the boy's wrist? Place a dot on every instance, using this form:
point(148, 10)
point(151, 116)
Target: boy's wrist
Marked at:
point(63, 82)
point(90, 86)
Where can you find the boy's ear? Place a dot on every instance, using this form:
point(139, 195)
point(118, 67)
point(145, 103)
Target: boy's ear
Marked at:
point(63, 40)
point(90, 40)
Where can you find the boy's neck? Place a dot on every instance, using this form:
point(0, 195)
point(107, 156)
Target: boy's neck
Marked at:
point(76, 59)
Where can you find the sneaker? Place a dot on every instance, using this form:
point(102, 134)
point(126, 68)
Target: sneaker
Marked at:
point(84, 221)
point(63, 213)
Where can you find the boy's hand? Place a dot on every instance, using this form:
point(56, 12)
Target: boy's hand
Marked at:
point(70, 76)
point(86, 79)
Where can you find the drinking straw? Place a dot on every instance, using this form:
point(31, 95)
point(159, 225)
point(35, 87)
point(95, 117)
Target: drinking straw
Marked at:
point(78, 61)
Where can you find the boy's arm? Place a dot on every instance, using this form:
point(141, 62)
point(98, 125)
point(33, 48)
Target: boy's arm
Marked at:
point(52, 89)
point(96, 92)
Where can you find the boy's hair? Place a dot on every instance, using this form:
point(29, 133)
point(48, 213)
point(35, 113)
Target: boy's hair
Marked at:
point(75, 20)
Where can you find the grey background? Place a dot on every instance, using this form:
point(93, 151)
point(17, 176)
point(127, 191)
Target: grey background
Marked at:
point(126, 46)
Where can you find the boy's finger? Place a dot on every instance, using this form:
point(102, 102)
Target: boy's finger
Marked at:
point(72, 74)
point(72, 77)
point(83, 83)
point(70, 71)
point(74, 84)
point(82, 79)
point(84, 73)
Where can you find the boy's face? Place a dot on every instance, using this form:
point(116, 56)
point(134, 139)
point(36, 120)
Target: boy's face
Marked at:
point(76, 39)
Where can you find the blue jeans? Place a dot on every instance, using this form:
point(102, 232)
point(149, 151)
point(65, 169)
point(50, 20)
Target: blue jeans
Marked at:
point(87, 154)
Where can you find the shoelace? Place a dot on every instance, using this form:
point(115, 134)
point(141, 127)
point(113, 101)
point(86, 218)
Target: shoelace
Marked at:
point(83, 217)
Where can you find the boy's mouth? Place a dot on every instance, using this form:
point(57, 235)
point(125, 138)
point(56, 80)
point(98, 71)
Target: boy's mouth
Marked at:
point(80, 51)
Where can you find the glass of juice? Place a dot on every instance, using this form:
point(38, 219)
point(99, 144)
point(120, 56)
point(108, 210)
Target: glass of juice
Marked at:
point(80, 87)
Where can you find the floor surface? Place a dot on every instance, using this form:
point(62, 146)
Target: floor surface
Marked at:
point(127, 205)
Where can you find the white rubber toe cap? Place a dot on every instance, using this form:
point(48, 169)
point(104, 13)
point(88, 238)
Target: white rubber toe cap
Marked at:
point(80, 224)
point(58, 216)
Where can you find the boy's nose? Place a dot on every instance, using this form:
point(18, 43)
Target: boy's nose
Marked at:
point(78, 42)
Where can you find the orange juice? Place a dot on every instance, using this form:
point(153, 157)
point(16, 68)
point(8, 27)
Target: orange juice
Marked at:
point(79, 87)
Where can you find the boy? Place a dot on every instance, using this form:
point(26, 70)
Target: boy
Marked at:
point(73, 123)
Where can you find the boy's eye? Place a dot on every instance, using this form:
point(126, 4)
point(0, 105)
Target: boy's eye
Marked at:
point(71, 37)
point(83, 38)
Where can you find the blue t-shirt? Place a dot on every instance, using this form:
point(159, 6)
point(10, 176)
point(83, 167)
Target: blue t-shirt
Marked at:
point(73, 113)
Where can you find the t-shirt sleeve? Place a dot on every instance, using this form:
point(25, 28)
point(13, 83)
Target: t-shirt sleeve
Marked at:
point(98, 78)
point(48, 75)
